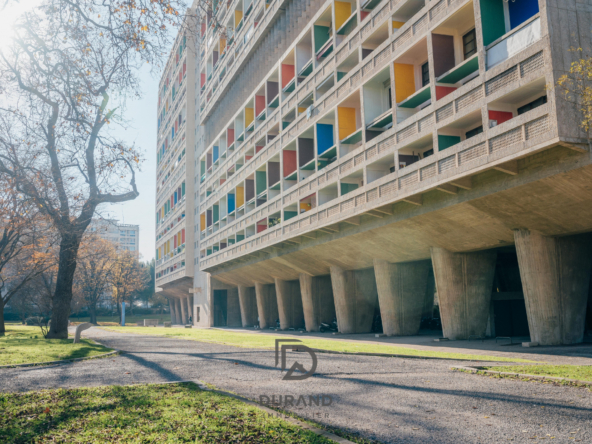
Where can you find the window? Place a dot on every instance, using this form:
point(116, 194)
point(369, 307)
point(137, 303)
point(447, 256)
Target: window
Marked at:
point(474, 132)
point(425, 74)
point(532, 105)
point(469, 44)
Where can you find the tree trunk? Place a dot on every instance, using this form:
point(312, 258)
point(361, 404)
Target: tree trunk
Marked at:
point(63, 291)
point(93, 314)
point(2, 326)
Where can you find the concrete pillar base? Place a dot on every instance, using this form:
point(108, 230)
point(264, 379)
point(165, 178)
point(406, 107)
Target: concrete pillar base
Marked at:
point(464, 283)
point(266, 304)
point(248, 305)
point(181, 309)
point(355, 299)
point(289, 304)
point(401, 295)
point(233, 308)
point(173, 311)
point(317, 300)
point(555, 275)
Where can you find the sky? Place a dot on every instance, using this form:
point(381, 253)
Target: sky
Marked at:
point(142, 130)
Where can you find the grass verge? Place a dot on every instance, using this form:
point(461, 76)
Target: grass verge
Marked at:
point(579, 372)
point(266, 341)
point(23, 344)
point(164, 413)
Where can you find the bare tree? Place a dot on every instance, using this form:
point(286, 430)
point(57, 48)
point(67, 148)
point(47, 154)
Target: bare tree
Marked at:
point(69, 58)
point(93, 273)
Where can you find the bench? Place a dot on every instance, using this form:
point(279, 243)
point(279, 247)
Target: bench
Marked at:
point(150, 322)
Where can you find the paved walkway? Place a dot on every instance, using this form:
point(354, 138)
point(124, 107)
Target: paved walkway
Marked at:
point(387, 399)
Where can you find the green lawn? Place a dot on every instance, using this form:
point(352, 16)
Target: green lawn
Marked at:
point(110, 320)
point(580, 372)
point(266, 341)
point(24, 344)
point(165, 413)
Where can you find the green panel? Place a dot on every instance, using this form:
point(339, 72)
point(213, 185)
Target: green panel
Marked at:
point(306, 70)
point(261, 181)
point(309, 166)
point(330, 153)
point(321, 35)
point(382, 122)
point(290, 214)
point(293, 176)
point(240, 237)
point(353, 138)
point(275, 102)
point(350, 24)
point(340, 75)
point(492, 20)
point(348, 187)
point(447, 141)
point(461, 71)
point(216, 213)
point(285, 124)
point(417, 99)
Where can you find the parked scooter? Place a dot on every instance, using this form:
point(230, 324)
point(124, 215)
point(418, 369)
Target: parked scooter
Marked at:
point(329, 327)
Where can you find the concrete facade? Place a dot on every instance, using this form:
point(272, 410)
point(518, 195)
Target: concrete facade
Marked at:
point(353, 176)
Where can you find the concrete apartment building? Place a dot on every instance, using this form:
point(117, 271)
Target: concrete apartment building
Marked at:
point(124, 236)
point(175, 177)
point(351, 155)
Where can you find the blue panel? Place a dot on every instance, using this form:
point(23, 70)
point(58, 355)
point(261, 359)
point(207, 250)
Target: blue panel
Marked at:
point(324, 137)
point(231, 203)
point(215, 154)
point(522, 10)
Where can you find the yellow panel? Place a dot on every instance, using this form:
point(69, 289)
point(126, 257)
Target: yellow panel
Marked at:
point(404, 81)
point(301, 109)
point(222, 43)
point(347, 121)
point(238, 15)
point(249, 116)
point(202, 221)
point(305, 207)
point(240, 196)
point(397, 25)
point(342, 13)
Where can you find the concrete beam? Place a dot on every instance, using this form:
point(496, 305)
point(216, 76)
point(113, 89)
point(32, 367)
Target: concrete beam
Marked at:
point(447, 188)
point(317, 300)
point(266, 304)
point(555, 275)
point(464, 282)
point(466, 183)
point(355, 298)
point(510, 167)
point(416, 199)
point(289, 303)
point(401, 295)
point(248, 305)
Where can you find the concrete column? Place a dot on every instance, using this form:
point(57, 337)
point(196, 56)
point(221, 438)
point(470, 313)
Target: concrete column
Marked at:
point(317, 300)
point(173, 311)
point(266, 304)
point(555, 275)
point(248, 305)
point(428, 308)
point(289, 304)
point(181, 304)
point(355, 299)
point(233, 309)
point(464, 282)
point(401, 295)
point(188, 302)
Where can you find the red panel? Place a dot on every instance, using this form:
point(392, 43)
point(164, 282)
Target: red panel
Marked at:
point(287, 74)
point(248, 158)
point(261, 226)
point(230, 137)
point(259, 104)
point(443, 91)
point(500, 116)
point(203, 28)
point(258, 148)
point(364, 14)
point(175, 242)
point(183, 236)
point(203, 79)
point(289, 162)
